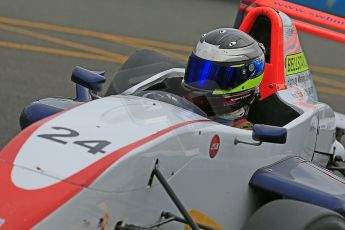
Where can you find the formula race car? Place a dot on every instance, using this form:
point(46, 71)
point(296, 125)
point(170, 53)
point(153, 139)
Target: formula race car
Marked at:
point(144, 157)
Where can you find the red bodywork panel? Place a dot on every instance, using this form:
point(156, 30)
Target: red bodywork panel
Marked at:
point(302, 15)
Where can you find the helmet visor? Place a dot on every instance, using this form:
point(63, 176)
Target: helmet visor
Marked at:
point(209, 75)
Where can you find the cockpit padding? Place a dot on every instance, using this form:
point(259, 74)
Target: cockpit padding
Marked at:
point(271, 111)
point(261, 31)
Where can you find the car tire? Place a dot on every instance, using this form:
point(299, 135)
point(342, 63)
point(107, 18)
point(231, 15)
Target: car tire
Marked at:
point(296, 215)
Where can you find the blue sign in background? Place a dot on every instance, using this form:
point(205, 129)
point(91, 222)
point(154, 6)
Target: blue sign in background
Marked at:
point(335, 7)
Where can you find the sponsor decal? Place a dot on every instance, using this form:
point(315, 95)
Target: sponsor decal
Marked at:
point(93, 146)
point(54, 196)
point(316, 15)
point(2, 221)
point(103, 222)
point(297, 94)
point(214, 146)
point(295, 63)
point(298, 79)
point(202, 218)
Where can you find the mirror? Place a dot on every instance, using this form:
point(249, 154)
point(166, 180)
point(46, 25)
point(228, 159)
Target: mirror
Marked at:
point(271, 134)
point(89, 79)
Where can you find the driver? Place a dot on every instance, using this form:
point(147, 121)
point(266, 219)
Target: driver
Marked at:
point(223, 75)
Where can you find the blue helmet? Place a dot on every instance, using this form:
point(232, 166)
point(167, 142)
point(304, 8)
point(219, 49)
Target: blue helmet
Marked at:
point(224, 71)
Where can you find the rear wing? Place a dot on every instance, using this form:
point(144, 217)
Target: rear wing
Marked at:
point(305, 19)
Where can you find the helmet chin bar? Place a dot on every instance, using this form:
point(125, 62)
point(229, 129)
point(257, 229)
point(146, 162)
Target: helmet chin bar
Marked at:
point(220, 105)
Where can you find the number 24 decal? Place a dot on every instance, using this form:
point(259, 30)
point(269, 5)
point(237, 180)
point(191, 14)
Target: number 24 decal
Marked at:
point(94, 146)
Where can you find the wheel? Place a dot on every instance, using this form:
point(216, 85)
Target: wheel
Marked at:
point(294, 215)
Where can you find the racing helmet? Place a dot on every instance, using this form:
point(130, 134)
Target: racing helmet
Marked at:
point(224, 71)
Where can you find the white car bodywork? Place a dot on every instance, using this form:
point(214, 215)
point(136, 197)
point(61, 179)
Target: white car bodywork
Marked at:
point(64, 186)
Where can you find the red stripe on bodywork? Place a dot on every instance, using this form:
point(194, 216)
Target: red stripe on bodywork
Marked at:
point(23, 209)
point(10, 151)
point(86, 176)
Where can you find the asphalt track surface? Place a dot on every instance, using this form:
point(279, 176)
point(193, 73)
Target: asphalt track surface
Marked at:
point(42, 40)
